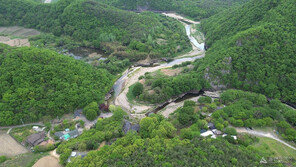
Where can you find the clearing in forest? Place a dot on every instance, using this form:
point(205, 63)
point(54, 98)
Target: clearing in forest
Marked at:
point(9, 147)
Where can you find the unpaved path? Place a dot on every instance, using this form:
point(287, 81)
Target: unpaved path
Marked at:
point(181, 18)
point(18, 126)
point(132, 77)
point(54, 154)
point(47, 161)
point(263, 134)
point(174, 106)
point(47, 1)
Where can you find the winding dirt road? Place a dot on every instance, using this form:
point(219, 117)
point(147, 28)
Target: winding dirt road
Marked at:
point(263, 134)
point(132, 77)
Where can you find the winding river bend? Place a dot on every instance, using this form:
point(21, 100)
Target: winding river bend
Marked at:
point(131, 76)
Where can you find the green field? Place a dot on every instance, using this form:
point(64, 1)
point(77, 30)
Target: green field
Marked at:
point(276, 149)
point(21, 134)
point(23, 160)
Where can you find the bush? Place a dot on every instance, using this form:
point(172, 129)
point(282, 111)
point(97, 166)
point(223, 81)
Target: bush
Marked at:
point(91, 111)
point(138, 89)
point(205, 99)
point(189, 103)
point(45, 148)
point(3, 159)
point(230, 131)
point(91, 115)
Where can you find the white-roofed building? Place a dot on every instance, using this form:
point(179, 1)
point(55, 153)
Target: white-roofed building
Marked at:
point(207, 133)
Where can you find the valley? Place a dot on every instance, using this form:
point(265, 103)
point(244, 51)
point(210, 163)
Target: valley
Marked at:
point(131, 77)
point(147, 83)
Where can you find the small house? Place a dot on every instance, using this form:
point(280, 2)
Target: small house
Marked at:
point(103, 107)
point(66, 137)
point(217, 132)
point(234, 137)
point(202, 131)
point(73, 154)
point(128, 126)
point(207, 133)
point(59, 134)
point(213, 136)
point(73, 133)
point(211, 126)
point(35, 139)
point(38, 129)
point(77, 113)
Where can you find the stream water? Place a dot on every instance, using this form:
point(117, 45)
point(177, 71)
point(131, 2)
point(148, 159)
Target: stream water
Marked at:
point(200, 46)
point(117, 87)
point(83, 52)
point(119, 84)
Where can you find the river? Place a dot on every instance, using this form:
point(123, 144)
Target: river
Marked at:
point(131, 76)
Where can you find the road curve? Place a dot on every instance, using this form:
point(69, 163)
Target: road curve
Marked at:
point(263, 134)
point(133, 74)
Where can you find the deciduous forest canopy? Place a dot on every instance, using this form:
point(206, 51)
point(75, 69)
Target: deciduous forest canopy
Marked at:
point(250, 55)
point(38, 82)
point(94, 24)
point(252, 47)
point(196, 9)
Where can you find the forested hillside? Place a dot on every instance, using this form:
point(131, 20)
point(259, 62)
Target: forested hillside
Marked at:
point(37, 82)
point(196, 9)
point(101, 26)
point(177, 141)
point(252, 47)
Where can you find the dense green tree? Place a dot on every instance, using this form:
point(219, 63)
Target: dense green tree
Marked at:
point(91, 111)
point(196, 9)
point(137, 89)
point(95, 24)
point(36, 82)
point(251, 47)
point(205, 99)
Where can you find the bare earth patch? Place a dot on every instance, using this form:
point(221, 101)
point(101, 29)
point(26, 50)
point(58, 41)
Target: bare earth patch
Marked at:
point(9, 147)
point(174, 106)
point(178, 17)
point(48, 161)
point(171, 72)
point(14, 42)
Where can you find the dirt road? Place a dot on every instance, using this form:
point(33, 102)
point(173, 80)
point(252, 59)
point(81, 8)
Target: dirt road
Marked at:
point(263, 134)
point(47, 161)
point(181, 18)
point(18, 126)
point(135, 73)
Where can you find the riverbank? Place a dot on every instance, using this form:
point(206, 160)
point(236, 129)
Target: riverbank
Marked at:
point(132, 76)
